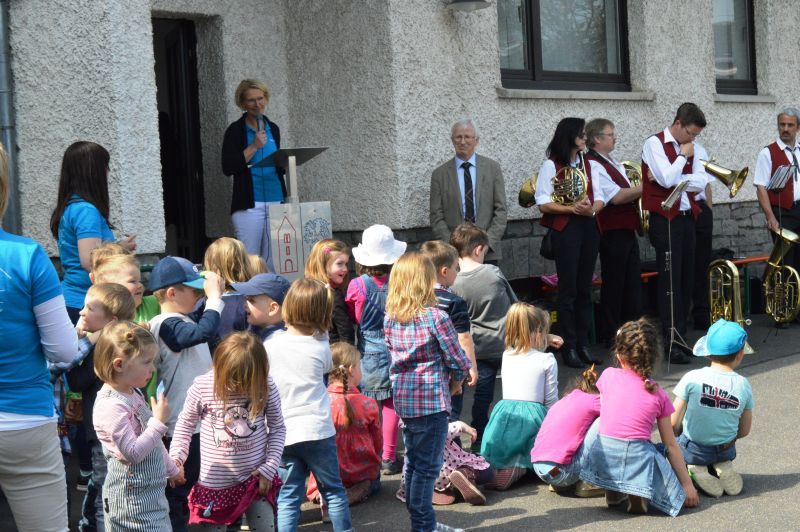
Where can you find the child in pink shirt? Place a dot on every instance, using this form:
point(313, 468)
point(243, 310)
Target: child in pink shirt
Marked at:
point(622, 460)
point(566, 434)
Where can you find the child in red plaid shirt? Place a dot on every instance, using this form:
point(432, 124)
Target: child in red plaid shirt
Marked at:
point(427, 364)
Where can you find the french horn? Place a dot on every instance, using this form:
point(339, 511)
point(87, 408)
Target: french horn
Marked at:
point(634, 172)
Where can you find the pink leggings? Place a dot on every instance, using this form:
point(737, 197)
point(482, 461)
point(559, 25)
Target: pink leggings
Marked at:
point(391, 427)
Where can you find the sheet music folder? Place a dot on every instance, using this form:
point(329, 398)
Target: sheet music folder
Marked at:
point(281, 157)
point(781, 177)
point(674, 195)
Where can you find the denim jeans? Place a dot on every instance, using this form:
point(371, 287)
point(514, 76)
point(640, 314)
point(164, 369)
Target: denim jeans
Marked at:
point(424, 438)
point(318, 457)
point(699, 454)
point(568, 474)
point(92, 509)
point(484, 393)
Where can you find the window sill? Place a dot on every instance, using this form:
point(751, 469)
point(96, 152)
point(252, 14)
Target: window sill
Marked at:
point(538, 94)
point(744, 98)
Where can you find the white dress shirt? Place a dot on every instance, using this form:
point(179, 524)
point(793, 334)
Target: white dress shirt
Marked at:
point(701, 154)
point(764, 166)
point(607, 188)
point(473, 171)
point(544, 183)
point(667, 174)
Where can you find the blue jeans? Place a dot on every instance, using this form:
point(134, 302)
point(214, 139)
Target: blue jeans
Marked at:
point(699, 454)
point(424, 438)
point(568, 474)
point(92, 508)
point(318, 457)
point(484, 393)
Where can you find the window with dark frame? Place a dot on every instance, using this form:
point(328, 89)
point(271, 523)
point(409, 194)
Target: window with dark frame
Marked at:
point(563, 44)
point(734, 47)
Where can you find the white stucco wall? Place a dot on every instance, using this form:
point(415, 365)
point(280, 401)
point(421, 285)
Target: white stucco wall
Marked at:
point(80, 72)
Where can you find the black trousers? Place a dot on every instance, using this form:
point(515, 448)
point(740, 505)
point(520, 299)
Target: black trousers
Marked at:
point(703, 230)
point(621, 291)
point(575, 250)
point(681, 264)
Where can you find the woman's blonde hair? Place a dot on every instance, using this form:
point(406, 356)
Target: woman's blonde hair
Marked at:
point(322, 254)
point(410, 287)
point(241, 368)
point(345, 356)
point(244, 86)
point(123, 339)
point(106, 263)
point(228, 258)
point(3, 181)
point(116, 300)
point(308, 305)
point(523, 320)
point(257, 264)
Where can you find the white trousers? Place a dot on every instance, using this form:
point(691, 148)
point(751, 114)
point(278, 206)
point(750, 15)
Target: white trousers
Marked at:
point(252, 227)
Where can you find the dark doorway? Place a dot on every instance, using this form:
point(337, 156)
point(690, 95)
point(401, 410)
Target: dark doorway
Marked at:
point(174, 46)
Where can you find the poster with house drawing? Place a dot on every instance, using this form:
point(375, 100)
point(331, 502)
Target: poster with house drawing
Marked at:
point(294, 229)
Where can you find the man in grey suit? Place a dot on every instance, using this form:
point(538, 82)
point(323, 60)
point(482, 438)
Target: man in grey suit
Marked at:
point(480, 198)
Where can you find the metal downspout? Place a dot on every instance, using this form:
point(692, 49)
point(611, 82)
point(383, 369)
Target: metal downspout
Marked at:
point(12, 222)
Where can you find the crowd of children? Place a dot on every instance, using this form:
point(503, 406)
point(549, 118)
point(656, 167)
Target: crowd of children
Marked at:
point(265, 393)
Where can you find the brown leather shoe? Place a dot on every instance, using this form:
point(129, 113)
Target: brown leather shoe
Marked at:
point(463, 479)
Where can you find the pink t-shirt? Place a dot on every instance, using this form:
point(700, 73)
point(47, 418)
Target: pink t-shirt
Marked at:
point(355, 295)
point(628, 411)
point(564, 427)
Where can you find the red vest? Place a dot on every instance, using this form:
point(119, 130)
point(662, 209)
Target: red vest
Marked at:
point(653, 193)
point(559, 221)
point(615, 216)
point(785, 198)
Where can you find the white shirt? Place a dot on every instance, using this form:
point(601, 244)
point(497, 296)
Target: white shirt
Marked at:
point(701, 154)
point(764, 165)
point(669, 175)
point(473, 171)
point(607, 188)
point(297, 365)
point(544, 183)
point(530, 376)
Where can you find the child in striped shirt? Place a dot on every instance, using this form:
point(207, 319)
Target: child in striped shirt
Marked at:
point(241, 437)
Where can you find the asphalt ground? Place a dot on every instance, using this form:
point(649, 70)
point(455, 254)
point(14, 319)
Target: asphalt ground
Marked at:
point(767, 459)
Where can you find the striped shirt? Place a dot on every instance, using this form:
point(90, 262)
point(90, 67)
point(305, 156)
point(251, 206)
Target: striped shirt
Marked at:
point(425, 356)
point(232, 446)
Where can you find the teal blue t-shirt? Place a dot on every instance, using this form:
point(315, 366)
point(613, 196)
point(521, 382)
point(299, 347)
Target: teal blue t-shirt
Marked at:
point(266, 183)
point(27, 279)
point(80, 220)
point(715, 400)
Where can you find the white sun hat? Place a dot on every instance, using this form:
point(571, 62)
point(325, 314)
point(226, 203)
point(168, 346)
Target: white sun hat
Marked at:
point(378, 246)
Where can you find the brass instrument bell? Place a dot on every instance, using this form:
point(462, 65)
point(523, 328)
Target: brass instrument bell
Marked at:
point(634, 172)
point(781, 282)
point(730, 178)
point(527, 193)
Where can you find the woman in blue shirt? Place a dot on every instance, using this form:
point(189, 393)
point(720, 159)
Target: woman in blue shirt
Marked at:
point(247, 141)
point(80, 219)
point(34, 328)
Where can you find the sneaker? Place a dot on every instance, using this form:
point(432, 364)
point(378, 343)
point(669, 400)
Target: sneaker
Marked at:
point(391, 467)
point(358, 492)
point(505, 477)
point(730, 480)
point(444, 528)
point(443, 498)
point(637, 505)
point(705, 481)
point(559, 489)
point(585, 490)
point(83, 482)
point(463, 479)
point(615, 498)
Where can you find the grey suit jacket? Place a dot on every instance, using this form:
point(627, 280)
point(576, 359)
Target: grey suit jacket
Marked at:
point(490, 196)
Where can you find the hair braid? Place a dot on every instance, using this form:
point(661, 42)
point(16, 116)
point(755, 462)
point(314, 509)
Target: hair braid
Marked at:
point(637, 343)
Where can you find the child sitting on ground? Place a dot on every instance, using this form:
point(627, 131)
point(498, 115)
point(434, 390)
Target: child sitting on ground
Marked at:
point(715, 406)
point(567, 432)
point(622, 460)
point(530, 387)
point(358, 428)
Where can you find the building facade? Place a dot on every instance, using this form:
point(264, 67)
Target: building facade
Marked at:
point(380, 82)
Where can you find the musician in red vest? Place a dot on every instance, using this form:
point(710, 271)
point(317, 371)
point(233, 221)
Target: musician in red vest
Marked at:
point(667, 160)
point(575, 239)
point(618, 222)
point(781, 207)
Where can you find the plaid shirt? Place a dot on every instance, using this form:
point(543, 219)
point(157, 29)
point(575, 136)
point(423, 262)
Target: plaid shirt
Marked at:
point(425, 356)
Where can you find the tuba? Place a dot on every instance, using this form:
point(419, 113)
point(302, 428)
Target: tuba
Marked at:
point(781, 282)
point(730, 178)
point(634, 172)
point(724, 295)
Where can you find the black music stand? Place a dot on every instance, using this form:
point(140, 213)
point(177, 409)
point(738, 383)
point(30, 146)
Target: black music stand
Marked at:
point(674, 336)
point(290, 159)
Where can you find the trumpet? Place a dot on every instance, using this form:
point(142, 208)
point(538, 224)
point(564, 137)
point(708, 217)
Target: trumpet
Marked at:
point(634, 172)
point(724, 295)
point(570, 186)
point(781, 282)
point(730, 178)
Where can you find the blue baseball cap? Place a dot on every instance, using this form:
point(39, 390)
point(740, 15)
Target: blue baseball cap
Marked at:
point(723, 338)
point(268, 284)
point(174, 270)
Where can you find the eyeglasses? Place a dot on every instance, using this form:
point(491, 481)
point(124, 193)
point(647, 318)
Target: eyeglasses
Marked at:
point(464, 138)
point(612, 135)
point(691, 134)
